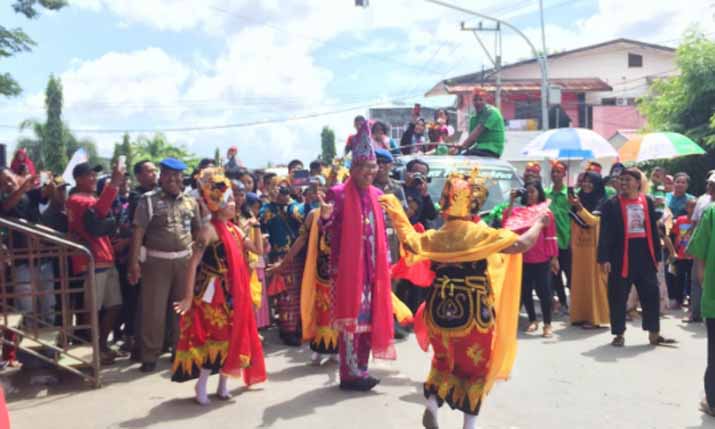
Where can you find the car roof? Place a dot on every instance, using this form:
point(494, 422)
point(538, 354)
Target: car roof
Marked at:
point(456, 159)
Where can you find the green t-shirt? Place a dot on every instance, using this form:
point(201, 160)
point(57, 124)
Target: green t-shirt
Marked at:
point(560, 207)
point(611, 192)
point(492, 138)
point(702, 246)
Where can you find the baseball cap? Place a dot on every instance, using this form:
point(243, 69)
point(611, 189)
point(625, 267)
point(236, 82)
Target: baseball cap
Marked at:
point(711, 177)
point(173, 164)
point(384, 155)
point(84, 168)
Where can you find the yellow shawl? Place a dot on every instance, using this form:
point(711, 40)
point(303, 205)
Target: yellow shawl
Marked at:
point(464, 241)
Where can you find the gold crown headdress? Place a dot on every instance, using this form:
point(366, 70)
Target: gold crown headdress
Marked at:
point(464, 195)
point(215, 188)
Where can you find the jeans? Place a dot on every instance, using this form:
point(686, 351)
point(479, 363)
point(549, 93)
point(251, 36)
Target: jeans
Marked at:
point(485, 153)
point(46, 303)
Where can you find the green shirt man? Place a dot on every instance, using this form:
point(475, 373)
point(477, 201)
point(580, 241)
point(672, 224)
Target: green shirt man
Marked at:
point(702, 248)
point(486, 129)
point(560, 207)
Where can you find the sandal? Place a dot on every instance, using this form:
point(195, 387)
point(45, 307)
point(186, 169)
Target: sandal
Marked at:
point(662, 341)
point(618, 341)
point(548, 333)
point(533, 327)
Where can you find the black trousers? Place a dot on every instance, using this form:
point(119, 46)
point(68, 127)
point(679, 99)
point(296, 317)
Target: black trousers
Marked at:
point(537, 277)
point(681, 285)
point(646, 284)
point(558, 283)
point(130, 302)
point(710, 370)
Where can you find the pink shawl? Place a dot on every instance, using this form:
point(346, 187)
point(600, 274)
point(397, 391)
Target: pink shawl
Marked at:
point(350, 277)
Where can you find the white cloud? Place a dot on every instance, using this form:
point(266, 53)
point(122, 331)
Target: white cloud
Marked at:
point(267, 68)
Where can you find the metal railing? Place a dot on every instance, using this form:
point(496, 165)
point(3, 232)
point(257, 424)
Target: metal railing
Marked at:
point(58, 320)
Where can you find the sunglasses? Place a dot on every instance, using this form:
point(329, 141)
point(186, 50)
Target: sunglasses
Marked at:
point(219, 186)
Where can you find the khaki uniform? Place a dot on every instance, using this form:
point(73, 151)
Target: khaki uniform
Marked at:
point(168, 223)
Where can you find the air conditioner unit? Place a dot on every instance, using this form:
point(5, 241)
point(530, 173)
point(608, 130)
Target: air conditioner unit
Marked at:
point(620, 101)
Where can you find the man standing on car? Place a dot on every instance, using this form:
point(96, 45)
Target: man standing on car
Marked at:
point(486, 129)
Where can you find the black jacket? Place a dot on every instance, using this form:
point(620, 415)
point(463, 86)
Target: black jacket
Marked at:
point(612, 235)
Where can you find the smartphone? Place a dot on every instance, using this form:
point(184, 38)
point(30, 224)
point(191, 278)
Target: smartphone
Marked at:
point(122, 162)
point(571, 192)
point(301, 178)
point(44, 178)
point(417, 109)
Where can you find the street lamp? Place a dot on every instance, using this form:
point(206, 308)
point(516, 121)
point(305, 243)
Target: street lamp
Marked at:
point(541, 59)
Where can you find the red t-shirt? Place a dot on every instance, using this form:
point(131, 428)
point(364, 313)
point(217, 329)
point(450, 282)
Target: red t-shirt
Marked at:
point(683, 230)
point(101, 247)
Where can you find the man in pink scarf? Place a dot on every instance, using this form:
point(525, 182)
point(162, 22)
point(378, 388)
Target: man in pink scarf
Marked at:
point(362, 308)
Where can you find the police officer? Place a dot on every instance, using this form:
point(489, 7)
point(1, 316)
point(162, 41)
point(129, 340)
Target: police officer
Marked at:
point(166, 222)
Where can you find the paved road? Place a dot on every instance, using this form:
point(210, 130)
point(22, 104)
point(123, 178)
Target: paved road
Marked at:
point(575, 380)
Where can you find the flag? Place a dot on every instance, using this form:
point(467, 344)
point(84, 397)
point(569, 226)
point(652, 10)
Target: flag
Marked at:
point(78, 157)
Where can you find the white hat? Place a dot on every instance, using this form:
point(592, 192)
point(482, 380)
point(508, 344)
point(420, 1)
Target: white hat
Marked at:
point(711, 178)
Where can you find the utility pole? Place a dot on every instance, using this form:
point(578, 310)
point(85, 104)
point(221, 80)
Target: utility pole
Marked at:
point(539, 58)
point(545, 57)
point(496, 59)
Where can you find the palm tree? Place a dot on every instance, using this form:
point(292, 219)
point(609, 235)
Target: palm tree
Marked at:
point(33, 145)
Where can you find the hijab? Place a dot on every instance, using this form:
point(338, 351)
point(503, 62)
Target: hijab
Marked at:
point(591, 201)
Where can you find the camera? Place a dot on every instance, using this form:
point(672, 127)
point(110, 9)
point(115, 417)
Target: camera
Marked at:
point(520, 192)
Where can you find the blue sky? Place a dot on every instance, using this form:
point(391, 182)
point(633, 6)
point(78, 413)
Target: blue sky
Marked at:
point(164, 64)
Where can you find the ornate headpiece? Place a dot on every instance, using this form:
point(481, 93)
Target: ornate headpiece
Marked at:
point(363, 150)
point(464, 195)
point(595, 167)
point(215, 188)
point(558, 165)
point(534, 167)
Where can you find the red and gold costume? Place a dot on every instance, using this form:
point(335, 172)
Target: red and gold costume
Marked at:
point(472, 347)
point(316, 300)
point(219, 331)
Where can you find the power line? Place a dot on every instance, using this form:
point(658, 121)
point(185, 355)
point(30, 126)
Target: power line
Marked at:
point(231, 125)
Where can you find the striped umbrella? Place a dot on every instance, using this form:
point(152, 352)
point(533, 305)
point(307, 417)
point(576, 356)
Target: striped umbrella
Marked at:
point(658, 146)
point(569, 143)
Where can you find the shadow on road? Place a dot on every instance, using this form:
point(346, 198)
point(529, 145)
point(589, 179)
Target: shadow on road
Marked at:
point(308, 402)
point(608, 353)
point(174, 410)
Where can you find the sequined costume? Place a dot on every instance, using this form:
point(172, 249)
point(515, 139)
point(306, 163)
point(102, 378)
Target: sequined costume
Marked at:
point(316, 295)
point(472, 347)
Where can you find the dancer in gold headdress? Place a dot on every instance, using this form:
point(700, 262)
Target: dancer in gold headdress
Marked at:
point(471, 261)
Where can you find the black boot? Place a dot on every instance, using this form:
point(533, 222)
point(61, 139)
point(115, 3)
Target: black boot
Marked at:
point(360, 385)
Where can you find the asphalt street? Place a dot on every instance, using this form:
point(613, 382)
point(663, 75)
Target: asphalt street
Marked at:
point(574, 380)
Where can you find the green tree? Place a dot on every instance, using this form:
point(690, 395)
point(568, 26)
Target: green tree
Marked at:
point(686, 104)
point(54, 146)
point(327, 143)
point(217, 157)
point(157, 148)
point(126, 150)
point(14, 40)
point(35, 144)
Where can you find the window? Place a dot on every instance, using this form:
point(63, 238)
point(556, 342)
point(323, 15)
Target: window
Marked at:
point(635, 60)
